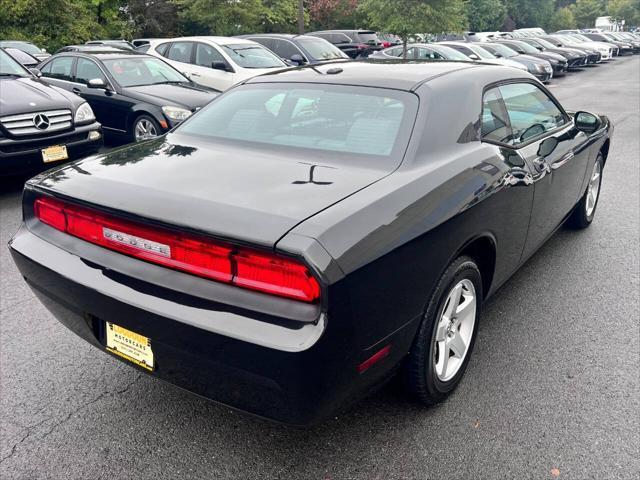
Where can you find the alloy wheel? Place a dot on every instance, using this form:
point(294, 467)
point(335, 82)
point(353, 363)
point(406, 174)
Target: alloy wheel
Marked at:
point(145, 129)
point(593, 190)
point(455, 330)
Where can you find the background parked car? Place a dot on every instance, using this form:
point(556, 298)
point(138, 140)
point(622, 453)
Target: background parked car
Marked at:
point(389, 39)
point(422, 51)
point(575, 58)
point(40, 125)
point(539, 68)
point(298, 49)
point(133, 95)
point(122, 44)
point(606, 49)
point(593, 56)
point(26, 60)
point(557, 61)
point(478, 54)
point(30, 48)
point(355, 43)
point(87, 48)
point(623, 47)
point(216, 62)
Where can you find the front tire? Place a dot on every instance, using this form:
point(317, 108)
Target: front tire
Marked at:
point(144, 127)
point(444, 342)
point(585, 210)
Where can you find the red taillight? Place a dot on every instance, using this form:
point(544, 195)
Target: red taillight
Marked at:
point(238, 266)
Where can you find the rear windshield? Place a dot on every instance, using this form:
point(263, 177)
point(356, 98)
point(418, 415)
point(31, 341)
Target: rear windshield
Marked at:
point(368, 37)
point(24, 46)
point(343, 121)
point(320, 49)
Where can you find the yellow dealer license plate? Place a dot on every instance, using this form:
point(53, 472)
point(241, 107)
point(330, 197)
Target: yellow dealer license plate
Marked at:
point(54, 154)
point(130, 345)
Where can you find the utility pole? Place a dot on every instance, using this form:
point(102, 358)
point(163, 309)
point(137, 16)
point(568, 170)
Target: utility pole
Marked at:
point(300, 17)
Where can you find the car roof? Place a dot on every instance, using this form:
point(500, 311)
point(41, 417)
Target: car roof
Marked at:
point(358, 30)
point(105, 54)
point(212, 39)
point(392, 74)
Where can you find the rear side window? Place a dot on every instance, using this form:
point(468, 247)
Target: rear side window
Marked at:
point(180, 52)
point(330, 118)
point(531, 111)
point(60, 68)
point(495, 119)
point(162, 49)
point(87, 70)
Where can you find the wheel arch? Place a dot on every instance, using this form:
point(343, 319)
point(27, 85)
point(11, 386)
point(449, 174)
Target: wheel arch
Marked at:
point(482, 249)
point(605, 150)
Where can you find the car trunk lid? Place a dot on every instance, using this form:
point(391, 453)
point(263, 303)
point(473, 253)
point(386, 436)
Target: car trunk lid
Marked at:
point(233, 193)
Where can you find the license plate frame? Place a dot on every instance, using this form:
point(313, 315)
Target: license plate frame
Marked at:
point(129, 345)
point(54, 153)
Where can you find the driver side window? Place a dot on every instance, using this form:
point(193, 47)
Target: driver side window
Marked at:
point(531, 111)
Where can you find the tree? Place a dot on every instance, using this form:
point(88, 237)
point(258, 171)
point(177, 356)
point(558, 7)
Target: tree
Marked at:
point(627, 10)
point(329, 14)
point(222, 17)
point(408, 17)
point(586, 12)
point(562, 19)
point(52, 23)
point(530, 13)
point(485, 15)
point(153, 18)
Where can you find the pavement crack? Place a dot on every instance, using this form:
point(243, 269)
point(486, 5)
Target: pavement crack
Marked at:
point(67, 417)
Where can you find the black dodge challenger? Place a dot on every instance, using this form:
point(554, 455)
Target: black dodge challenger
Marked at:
point(311, 233)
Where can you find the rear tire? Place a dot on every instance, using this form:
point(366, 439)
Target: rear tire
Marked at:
point(585, 210)
point(444, 342)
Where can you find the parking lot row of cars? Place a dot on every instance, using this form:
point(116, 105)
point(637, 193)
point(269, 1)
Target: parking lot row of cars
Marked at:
point(58, 107)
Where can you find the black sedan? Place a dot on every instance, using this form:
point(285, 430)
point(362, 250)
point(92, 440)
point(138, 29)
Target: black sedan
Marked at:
point(575, 58)
point(298, 49)
point(311, 233)
point(557, 61)
point(133, 95)
point(40, 125)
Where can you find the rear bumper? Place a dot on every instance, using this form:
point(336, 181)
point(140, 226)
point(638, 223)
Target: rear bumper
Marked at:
point(299, 375)
point(19, 156)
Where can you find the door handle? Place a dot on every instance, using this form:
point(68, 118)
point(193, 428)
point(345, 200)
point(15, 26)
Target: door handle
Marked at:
point(194, 74)
point(541, 165)
point(518, 177)
point(76, 90)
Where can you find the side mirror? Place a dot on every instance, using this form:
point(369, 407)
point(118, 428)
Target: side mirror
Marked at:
point(44, 50)
point(220, 66)
point(586, 122)
point(547, 147)
point(35, 72)
point(297, 59)
point(97, 83)
point(498, 55)
point(473, 56)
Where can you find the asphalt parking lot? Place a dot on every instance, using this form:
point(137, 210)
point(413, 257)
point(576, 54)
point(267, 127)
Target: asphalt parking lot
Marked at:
point(552, 390)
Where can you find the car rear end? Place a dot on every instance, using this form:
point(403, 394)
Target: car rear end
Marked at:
point(156, 255)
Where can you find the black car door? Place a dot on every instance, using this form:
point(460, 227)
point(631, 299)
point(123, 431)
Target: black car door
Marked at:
point(554, 150)
point(100, 99)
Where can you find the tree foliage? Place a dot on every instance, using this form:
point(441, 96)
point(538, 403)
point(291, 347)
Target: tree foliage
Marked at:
point(627, 10)
point(586, 12)
point(486, 15)
point(55, 23)
point(528, 13)
point(562, 19)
